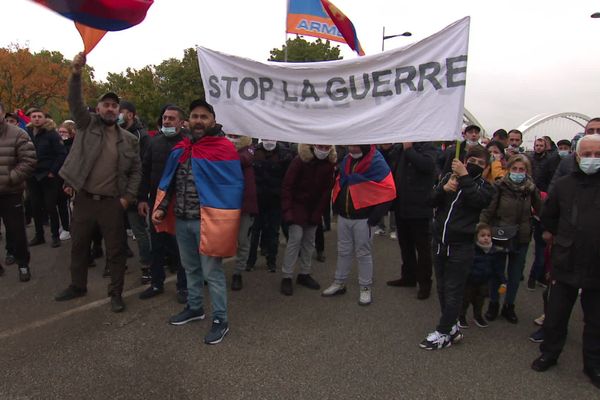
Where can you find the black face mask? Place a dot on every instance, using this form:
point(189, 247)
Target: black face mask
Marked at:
point(474, 170)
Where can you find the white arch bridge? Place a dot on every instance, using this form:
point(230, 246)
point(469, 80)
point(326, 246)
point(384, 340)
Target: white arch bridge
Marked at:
point(558, 126)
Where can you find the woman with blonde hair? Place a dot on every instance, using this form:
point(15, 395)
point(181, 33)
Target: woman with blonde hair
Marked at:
point(510, 214)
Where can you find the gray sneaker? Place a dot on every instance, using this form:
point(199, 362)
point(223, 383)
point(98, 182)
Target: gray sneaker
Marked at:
point(217, 332)
point(187, 315)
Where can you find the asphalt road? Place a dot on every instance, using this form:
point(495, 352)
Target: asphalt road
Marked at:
point(299, 347)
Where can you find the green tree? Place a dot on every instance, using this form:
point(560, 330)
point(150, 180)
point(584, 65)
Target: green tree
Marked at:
point(301, 50)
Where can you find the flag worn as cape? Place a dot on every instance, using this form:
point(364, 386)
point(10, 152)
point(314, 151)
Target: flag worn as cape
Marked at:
point(220, 186)
point(370, 183)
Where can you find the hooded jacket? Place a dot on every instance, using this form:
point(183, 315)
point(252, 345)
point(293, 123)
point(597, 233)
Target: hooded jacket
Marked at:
point(307, 186)
point(457, 213)
point(49, 149)
point(246, 153)
point(511, 205)
point(17, 159)
point(572, 214)
point(141, 133)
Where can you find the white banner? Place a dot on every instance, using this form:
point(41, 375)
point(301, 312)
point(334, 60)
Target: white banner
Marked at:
point(411, 94)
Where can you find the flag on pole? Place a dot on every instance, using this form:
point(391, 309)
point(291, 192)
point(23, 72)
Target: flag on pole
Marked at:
point(93, 18)
point(312, 18)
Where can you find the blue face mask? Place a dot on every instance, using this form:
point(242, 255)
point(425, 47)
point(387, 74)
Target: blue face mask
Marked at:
point(517, 177)
point(589, 165)
point(563, 153)
point(169, 131)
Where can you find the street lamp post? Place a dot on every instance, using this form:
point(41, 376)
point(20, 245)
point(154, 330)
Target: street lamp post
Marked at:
point(384, 37)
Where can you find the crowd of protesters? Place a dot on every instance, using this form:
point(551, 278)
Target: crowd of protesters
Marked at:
point(467, 214)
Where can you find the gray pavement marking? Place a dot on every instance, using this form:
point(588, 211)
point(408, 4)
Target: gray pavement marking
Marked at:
point(89, 306)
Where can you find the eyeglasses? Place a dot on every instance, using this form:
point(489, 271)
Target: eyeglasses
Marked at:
point(591, 131)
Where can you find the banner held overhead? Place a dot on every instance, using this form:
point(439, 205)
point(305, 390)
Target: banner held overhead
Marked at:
point(411, 94)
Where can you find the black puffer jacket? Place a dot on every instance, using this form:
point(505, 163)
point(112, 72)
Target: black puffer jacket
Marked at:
point(153, 165)
point(414, 175)
point(457, 213)
point(572, 214)
point(49, 149)
point(269, 171)
point(141, 133)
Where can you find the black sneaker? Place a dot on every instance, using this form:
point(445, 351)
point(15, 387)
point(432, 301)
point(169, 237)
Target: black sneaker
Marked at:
point(146, 276)
point(462, 322)
point(508, 312)
point(531, 284)
point(537, 336)
point(70, 293)
point(236, 282)
point(116, 303)
point(543, 363)
point(492, 311)
point(187, 315)
point(10, 259)
point(307, 281)
point(286, 287)
point(36, 241)
point(480, 321)
point(182, 295)
point(150, 292)
point(55, 242)
point(217, 332)
point(24, 273)
point(271, 268)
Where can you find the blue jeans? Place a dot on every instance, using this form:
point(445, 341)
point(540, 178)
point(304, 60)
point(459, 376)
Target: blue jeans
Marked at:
point(538, 268)
point(514, 270)
point(199, 268)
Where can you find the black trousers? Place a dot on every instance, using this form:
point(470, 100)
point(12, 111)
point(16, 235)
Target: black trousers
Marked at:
point(414, 238)
point(561, 299)
point(266, 231)
point(163, 246)
point(320, 238)
point(12, 213)
point(475, 294)
point(44, 200)
point(452, 265)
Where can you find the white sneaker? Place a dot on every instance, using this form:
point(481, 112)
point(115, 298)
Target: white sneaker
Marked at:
point(455, 334)
point(435, 341)
point(378, 231)
point(539, 321)
point(65, 235)
point(393, 236)
point(334, 290)
point(365, 296)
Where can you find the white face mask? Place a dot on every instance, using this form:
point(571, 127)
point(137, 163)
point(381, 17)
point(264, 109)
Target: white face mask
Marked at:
point(269, 145)
point(169, 131)
point(321, 154)
point(356, 155)
point(472, 142)
point(589, 165)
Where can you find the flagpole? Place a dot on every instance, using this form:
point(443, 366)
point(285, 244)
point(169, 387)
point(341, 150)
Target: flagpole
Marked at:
point(287, 15)
point(383, 40)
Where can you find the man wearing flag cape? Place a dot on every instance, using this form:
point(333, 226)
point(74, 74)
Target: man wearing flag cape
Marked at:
point(199, 199)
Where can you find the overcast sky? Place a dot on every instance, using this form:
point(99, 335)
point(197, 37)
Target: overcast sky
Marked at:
point(526, 57)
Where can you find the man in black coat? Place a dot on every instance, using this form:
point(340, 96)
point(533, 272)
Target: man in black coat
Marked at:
point(571, 217)
point(153, 164)
point(472, 134)
point(44, 185)
point(414, 175)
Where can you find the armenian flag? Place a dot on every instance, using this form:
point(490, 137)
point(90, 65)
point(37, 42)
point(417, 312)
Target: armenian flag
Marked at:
point(320, 18)
point(220, 186)
point(370, 183)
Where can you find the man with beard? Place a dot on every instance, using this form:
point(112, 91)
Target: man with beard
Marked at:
point(103, 169)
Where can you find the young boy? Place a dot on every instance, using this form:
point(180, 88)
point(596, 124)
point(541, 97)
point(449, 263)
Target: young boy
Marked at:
point(478, 281)
point(458, 200)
